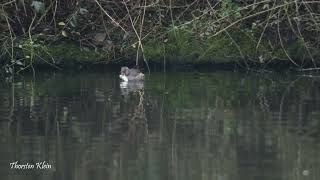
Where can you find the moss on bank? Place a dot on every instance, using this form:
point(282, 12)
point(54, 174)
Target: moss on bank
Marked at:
point(68, 52)
point(229, 47)
point(178, 48)
point(61, 54)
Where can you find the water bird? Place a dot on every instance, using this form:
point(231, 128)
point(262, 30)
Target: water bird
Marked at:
point(127, 74)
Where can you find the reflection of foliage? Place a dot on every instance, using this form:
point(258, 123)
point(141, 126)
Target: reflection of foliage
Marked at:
point(190, 97)
point(205, 122)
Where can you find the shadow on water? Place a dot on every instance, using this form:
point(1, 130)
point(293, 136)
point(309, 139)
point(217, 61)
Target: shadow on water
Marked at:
point(184, 126)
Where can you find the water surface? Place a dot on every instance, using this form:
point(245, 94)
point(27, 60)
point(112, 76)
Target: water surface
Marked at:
point(175, 126)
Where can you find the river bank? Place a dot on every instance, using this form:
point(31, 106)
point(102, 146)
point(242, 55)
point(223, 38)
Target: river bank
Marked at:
point(184, 50)
point(68, 34)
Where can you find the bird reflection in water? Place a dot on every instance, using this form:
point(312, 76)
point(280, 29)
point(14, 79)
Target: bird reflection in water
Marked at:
point(131, 86)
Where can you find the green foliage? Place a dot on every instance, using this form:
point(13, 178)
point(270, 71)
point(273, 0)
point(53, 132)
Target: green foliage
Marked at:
point(68, 51)
point(297, 49)
point(230, 9)
point(219, 49)
point(219, 31)
point(30, 51)
point(25, 53)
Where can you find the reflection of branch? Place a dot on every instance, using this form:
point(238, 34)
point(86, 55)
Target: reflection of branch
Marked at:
point(12, 104)
point(162, 104)
point(173, 149)
point(263, 101)
point(139, 113)
point(283, 96)
point(141, 107)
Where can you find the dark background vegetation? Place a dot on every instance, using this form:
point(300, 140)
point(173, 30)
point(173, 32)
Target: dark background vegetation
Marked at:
point(164, 31)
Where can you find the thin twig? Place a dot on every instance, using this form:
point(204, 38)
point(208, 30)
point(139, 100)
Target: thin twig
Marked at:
point(113, 20)
point(281, 43)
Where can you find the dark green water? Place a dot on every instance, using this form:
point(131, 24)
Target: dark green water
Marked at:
point(178, 126)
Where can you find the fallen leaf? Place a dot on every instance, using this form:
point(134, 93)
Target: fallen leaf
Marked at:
point(61, 23)
point(100, 37)
point(83, 11)
point(64, 33)
point(19, 63)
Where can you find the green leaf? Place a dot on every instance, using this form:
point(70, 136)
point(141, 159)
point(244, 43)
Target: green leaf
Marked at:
point(73, 20)
point(64, 33)
point(19, 63)
point(83, 11)
point(72, 23)
point(38, 6)
point(266, 6)
point(61, 23)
